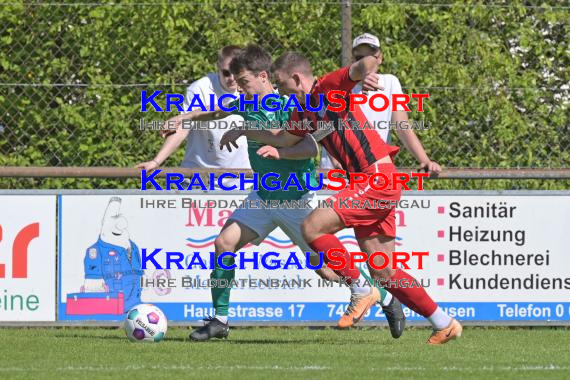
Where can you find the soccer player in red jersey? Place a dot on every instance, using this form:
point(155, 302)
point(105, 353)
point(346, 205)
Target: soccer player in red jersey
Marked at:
point(358, 151)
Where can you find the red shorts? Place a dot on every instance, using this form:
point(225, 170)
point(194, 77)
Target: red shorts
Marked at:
point(380, 218)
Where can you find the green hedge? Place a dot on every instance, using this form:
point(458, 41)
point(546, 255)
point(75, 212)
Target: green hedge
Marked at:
point(497, 76)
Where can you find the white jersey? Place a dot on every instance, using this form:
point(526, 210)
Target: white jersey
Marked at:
point(391, 86)
point(202, 149)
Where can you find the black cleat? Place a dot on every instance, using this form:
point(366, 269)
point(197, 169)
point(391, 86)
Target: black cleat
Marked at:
point(212, 328)
point(396, 318)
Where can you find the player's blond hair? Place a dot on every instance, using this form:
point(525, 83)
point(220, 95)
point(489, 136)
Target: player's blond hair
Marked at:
point(292, 61)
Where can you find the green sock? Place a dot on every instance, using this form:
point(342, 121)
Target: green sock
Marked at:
point(221, 295)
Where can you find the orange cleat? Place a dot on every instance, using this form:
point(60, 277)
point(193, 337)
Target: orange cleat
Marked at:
point(358, 306)
point(453, 331)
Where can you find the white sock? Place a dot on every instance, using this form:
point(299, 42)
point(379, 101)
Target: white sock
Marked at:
point(356, 287)
point(386, 301)
point(222, 318)
point(439, 319)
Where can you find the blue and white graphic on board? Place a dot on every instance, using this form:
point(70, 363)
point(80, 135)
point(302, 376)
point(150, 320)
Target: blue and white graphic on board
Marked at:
point(112, 267)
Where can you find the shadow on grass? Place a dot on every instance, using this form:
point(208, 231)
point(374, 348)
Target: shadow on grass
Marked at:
point(113, 337)
point(312, 338)
point(237, 341)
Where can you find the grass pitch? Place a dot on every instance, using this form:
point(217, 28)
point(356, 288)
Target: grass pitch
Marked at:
point(264, 353)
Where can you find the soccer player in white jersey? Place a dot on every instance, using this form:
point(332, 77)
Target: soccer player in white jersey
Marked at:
point(202, 147)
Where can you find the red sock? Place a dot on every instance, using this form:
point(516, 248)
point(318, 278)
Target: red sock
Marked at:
point(415, 297)
point(329, 241)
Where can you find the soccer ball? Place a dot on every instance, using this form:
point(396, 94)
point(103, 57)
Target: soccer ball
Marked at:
point(145, 323)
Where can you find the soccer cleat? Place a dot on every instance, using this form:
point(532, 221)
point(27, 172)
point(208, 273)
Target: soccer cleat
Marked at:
point(213, 328)
point(358, 306)
point(396, 318)
point(442, 336)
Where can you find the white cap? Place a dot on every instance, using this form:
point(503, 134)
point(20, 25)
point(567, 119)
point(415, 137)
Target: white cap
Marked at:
point(368, 39)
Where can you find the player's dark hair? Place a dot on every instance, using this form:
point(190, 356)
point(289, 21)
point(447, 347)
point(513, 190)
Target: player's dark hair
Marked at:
point(229, 51)
point(252, 58)
point(291, 61)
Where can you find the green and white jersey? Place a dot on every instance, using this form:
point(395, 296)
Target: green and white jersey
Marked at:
point(281, 167)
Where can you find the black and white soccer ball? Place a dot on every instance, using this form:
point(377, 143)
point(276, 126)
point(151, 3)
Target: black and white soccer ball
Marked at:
point(145, 323)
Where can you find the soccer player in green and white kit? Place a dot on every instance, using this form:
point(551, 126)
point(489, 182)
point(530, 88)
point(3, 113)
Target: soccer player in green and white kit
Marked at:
point(248, 225)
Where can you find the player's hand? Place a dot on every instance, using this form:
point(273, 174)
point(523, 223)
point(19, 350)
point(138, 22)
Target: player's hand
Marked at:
point(371, 83)
point(229, 138)
point(431, 167)
point(149, 165)
point(269, 151)
point(164, 133)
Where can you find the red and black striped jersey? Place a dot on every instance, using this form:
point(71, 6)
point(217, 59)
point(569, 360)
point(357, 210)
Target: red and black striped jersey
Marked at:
point(355, 148)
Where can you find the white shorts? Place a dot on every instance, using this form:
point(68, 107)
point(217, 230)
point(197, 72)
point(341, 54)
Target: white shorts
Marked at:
point(264, 220)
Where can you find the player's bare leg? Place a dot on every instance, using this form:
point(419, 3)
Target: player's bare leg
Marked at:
point(324, 272)
point(234, 236)
point(318, 230)
point(413, 296)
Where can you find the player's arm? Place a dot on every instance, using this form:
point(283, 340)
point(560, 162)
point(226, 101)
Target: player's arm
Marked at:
point(360, 69)
point(306, 148)
point(199, 115)
point(179, 122)
point(413, 144)
point(171, 143)
point(345, 78)
point(276, 137)
point(176, 137)
point(172, 124)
